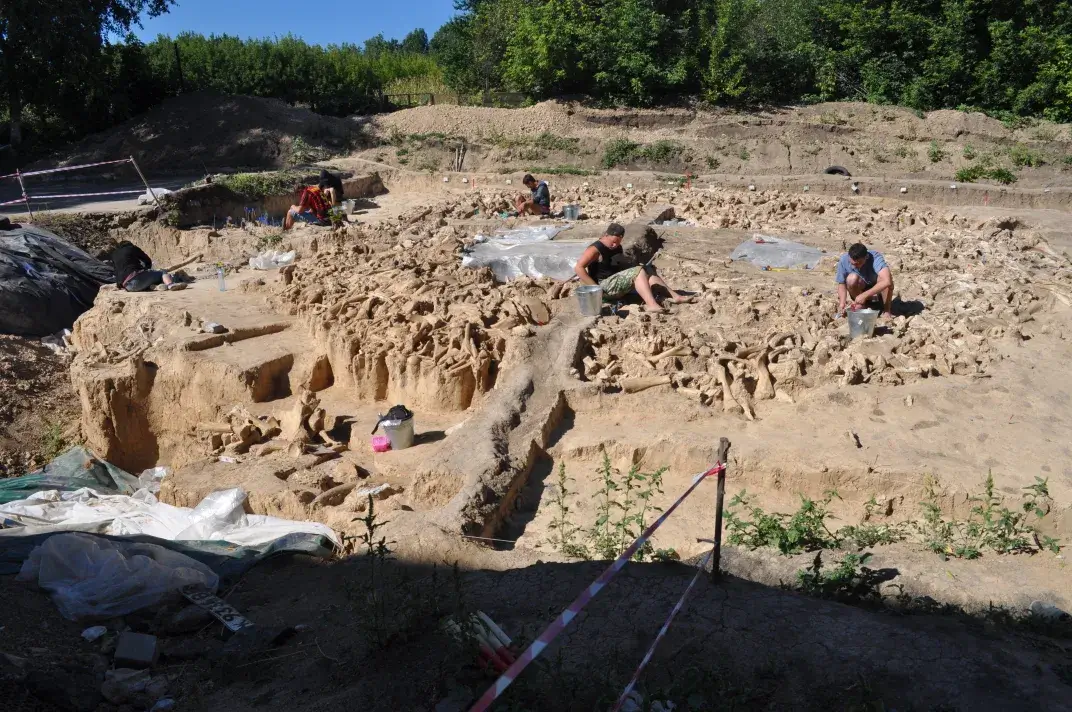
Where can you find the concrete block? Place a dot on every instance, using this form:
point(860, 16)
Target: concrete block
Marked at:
point(136, 651)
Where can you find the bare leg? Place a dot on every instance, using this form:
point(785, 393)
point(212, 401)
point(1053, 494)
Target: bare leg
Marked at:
point(643, 288)
point(288, 221)
point(168, 279)
point(855, 285)
point(656, 280)
point(887, 301)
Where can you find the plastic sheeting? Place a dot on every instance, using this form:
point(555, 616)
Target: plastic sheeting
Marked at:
point(45, 283)
point(93, 578)
point(271, 259)
point(776, 253)
point(526, 252)
point(73, 470)
point(219, 517)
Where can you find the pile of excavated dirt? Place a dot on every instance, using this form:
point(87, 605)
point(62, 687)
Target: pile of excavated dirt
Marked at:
point(37, 405)
point(867, 140)
point(195, 132)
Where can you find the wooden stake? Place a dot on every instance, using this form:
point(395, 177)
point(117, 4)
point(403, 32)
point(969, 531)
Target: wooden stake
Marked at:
point(716, 560)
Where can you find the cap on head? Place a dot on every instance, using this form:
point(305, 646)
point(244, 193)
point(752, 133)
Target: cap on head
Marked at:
point(615, 230)
point(858, 252)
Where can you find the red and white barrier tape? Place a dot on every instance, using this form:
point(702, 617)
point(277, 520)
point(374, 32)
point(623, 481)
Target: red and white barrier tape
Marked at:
point(566, 617)
point(75, 168)
point(662, 632)
point(12, 202)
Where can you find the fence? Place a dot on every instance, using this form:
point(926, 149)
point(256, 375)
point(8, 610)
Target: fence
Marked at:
point(566, 617)
point(26, 198)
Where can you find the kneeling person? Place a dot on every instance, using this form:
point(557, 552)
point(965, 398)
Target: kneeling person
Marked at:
point(312, 207)
point(864, 277)
point(134, 270)
point(539, 203)
point(598, 266)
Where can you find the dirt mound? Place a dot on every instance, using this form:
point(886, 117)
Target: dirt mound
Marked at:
point(469, 121)
point(202, 131)
point(36, 404)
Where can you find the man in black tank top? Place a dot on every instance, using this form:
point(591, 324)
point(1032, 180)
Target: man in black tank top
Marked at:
point(603, 264)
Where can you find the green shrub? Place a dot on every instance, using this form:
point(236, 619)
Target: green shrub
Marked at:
point(936, 153)
point(619, 151)
point(976, 172)
point(969, 152)
point(550, 142)
point(256, 186)
point(1024, 157)
point(661, 151)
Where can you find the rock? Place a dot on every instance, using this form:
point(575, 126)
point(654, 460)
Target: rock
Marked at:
point(334, 496)
point(188, 620)
point(255, 639)
point(136, 650)
point(211, 327)
point(67, 690)
point(124, 686)
point(640, 243)
point(12, 667)
point(1048, 611)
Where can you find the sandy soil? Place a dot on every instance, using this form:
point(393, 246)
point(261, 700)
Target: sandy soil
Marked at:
point(38, 410)
point(510, 383)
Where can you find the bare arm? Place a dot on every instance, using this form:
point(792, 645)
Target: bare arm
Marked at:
point(885, 279)
point(581, 268)
point(842, 295)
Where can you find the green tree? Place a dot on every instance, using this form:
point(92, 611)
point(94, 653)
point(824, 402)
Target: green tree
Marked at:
point(45, 45)
point(416, 42)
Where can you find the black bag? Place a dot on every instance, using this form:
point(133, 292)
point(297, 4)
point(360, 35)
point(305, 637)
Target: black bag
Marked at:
point(398, 412)
point(45, 282)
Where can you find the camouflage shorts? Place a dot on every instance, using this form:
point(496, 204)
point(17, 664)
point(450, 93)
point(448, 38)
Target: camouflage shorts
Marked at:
point(619, 284)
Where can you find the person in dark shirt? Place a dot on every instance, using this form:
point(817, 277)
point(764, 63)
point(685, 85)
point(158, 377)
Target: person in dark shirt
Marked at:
point(134, 270)
point(331, 186)
point(602, 264)
point(540, 201)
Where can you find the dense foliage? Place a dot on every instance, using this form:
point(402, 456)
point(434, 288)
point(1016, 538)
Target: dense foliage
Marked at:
point(1011, 57)
point(998, 55)
point(63, 87)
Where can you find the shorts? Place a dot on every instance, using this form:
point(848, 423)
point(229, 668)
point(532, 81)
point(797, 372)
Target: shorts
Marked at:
point(144, 281)
point(307, 216)
point(619, 284)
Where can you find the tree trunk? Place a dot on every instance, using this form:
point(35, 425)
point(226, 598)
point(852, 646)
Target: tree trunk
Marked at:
point(15, 110)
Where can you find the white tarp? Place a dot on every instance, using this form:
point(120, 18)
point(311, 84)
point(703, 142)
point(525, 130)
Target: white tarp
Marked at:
point(527, 251)
point(219, 517)
point(93, 577)
point(768, 251)
point(270, 259)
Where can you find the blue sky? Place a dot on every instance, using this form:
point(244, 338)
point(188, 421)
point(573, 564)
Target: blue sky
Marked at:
point(352, 21)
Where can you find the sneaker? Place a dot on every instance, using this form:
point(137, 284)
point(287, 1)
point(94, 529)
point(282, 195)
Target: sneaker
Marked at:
point(176, 287)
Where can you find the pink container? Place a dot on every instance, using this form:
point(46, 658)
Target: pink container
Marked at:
point(381, 443)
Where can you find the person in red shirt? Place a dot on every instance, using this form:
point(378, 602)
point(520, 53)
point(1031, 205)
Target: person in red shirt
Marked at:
point(312, 207)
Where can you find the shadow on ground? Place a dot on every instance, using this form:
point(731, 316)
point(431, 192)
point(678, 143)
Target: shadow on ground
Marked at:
point(371, 638)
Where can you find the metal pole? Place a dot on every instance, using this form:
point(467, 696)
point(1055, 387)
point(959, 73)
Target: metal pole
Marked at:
point(723, 457)
point(25, 198)
point(147, 186)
